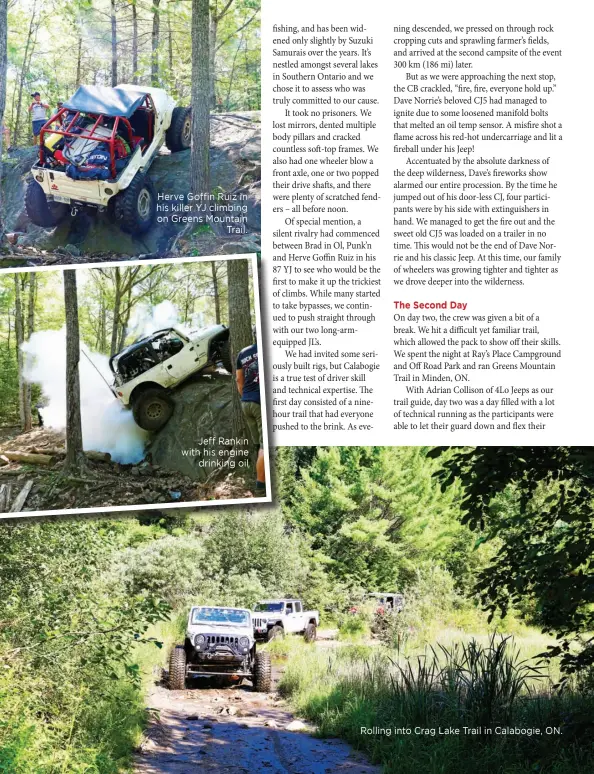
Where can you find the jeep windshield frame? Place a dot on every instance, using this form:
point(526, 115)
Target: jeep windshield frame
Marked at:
point(269, 607)
point(220, 615)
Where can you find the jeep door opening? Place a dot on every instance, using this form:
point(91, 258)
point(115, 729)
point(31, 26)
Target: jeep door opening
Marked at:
point(95, 153)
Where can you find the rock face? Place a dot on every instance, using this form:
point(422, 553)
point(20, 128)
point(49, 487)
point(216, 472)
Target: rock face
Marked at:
point(198, 440)
point(235, 166)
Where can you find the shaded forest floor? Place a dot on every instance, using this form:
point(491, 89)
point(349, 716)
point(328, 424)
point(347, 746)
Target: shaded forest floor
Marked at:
point(103, 483)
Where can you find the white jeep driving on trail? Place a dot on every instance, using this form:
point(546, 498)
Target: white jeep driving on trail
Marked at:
point(147, 370)
point(219, 644)
point(277, 617)
point(95, 152)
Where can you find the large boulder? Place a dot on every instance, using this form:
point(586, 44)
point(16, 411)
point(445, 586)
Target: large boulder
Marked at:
point(198, 440)
point(234, 160)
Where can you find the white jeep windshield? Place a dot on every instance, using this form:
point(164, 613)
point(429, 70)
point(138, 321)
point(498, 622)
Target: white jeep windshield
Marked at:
point(269, 607)
point(220, 615)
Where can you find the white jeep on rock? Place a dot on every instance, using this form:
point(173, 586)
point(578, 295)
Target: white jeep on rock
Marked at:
point(147, 370)
point(277, 617)
point(219, 644)
point(96, 150)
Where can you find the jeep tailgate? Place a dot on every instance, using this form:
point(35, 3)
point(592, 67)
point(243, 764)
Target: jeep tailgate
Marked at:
point(58, 184)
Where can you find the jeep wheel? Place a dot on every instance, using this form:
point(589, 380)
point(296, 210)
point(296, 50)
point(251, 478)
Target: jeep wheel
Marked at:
point(275, 632)
point(177, 668)
point(310, 633)
point(262, 679)
point(179, 135)
point(40, 211)
point(225, 355)
point(152, 409)
point(136, 206)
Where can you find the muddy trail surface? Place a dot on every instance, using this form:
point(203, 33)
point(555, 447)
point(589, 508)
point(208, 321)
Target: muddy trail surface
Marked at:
point(219, 731)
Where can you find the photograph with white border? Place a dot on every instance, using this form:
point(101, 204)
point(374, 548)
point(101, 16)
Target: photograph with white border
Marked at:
point(132, 385)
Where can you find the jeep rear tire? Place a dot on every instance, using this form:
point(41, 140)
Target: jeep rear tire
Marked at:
point(41, 211)
point(179, 135)
point(177, 668)
point(262, 679)
point(225, 355)
point(152, 409)
point(310, 633)
point(275, 632)
point(136, 206)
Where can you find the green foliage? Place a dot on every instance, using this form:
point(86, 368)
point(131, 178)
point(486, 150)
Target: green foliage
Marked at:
point(536, 504)
point(375, 512)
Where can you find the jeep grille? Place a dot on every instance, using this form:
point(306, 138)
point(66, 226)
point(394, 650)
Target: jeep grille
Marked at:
point(259, 623)
point(221, 639)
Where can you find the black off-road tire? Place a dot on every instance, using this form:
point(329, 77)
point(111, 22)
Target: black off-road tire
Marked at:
point(225, 353)
point(179, 135)
point(40, 211)
point(136, 206)
point(177, 668)
point(152, 409)
point(275, 632)
point(262, 673)
point(310, 633)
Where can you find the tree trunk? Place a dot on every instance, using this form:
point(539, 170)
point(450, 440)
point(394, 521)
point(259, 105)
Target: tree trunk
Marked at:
point(134, 43)
point(155, 44)
point(170, 42)
point(116, 313)
point(79, 61)
point(114, 45)
point(74, 442)
point(125, 322)
point(24, 73)
point(215, 292)
point(19, 331)
point(240, 326)
point(200, 172)
point(212, 49)
point(28, 423)
point(3, 66)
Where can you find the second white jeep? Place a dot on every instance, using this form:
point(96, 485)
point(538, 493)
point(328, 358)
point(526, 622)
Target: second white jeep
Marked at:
point(147, 370)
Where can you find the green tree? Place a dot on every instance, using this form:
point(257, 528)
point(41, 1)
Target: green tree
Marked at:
point(545, 534)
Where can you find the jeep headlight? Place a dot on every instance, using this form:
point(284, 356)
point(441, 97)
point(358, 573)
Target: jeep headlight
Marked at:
point(199, 640)
point(244, 642)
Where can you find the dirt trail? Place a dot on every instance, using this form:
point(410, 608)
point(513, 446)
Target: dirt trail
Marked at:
point(220, 731)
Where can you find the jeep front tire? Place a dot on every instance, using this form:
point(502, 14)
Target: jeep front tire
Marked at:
point(225, 355)
point(179, 135)
point(262, 673)
point(177, 668)
point(275, 632)
point(136, 206)
point(152, 409)
point(40, 210)
point(310, 633)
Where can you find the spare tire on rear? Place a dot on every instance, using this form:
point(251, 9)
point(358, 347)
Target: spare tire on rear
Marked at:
point(41, 211)
point(152, 408)
point(179, 135)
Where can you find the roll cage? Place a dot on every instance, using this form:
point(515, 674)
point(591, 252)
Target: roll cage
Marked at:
point(146, 109)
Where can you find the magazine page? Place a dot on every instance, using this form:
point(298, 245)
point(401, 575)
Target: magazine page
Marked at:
point(294, 320)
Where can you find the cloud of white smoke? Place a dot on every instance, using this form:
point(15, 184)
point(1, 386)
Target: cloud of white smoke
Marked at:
point(107, 426)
